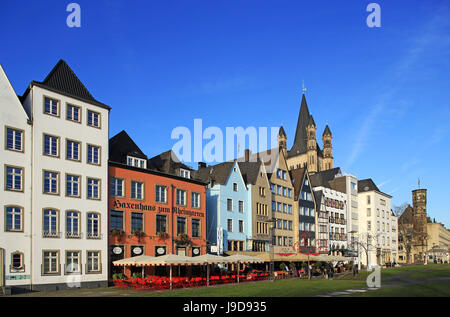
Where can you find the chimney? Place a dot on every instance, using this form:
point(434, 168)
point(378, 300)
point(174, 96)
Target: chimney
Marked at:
point(247, 155)
point(201, 165)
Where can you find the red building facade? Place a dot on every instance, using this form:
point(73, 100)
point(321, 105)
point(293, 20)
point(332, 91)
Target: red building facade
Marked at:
point(154, 213)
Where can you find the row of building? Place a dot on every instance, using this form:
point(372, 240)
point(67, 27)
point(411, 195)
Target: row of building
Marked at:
point(74, 201)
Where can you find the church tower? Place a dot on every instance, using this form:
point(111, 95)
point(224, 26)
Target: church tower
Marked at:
point(327, 139)
point(282, 139)
point(419, 198)
point(311, 152)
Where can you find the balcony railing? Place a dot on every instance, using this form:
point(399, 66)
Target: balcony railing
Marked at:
point(51, 234)
point(73, 235)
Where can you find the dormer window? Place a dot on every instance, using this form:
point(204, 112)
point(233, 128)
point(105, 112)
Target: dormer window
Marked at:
point(136, 162)
point(185, 173)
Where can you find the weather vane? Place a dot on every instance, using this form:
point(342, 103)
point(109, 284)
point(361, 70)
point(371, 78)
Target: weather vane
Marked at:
point(303, 87)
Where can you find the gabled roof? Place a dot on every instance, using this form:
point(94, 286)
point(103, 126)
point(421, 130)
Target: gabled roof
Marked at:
point(300, 140)
point(62, 79)
point(407, 216)
point(323, 177)
point(167, 162)
point(218, 174)
point(121, 145)
point(250, 171)
point(297, 177)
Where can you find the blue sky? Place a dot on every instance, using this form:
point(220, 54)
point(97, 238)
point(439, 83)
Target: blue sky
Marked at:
point(160, 64)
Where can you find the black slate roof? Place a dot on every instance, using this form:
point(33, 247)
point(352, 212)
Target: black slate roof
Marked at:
point(297, 176)
point(62, 79)
point(167, 162)
point(216, 173)
point(327, 131)
point(366, 185)
point(282, 132)
point(323, 177)
point(300, 140)
point(250, 171)
point(121, 145)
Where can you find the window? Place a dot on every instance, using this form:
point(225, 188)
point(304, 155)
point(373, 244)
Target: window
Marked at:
point(230, 204)
point(14, 178)
point(93, 225)
point(195, 200)
point(116, 187)
point(73, 113)
point(289, 192)
point(368, 212)
point(17, 261)
point(284, 191)
point(51, 223)
point(72, 224)
point(73, 150)
point(137, 221)
point(51, 106)
point(14, 139)
point(368, 199)
point(181, 197)
point(279, 189)
point(136, 162)
point(241, 226)
point(93, 119)
point(279, 173)
point(51, 182)
point(181, 225)
point(93, 262)
point(160, 223)
point(272, 188)
point(73, 186)
point(51, 262)
point(93, 188)
point(279, 206)
point(274, 206)
point(235, 187)
point(14, 218)
point(369, 226)
point(195, 228)
point(51, 145)
point(230, 225)
point(137, 190)
point(161, 194)
point(73, 264)
point(284, 175)
point(93, 154)
point(289, 209)
point(241, 206)
point(185, 173)
point(116, 220)
point(285, 224)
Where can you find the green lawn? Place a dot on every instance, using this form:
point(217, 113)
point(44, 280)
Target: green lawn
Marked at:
point(393, 278)
point(437, 289)
point(278, 288)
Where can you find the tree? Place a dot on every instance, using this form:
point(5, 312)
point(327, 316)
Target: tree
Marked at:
point(367, 241)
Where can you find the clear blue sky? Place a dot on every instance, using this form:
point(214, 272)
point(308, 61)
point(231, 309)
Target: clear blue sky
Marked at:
point(161, 64)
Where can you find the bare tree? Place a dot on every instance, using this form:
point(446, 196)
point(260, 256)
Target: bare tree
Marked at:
point(367, 241)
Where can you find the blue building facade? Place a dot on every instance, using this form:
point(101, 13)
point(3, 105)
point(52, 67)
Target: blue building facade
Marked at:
point(227, 202)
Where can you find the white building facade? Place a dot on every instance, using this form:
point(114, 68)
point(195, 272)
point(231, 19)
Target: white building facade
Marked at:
point(336, 207)
point(378, 227)
point(68, 183)
point(15, 197)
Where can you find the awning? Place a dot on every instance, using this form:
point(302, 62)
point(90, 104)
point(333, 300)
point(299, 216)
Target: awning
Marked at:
point(133, 260)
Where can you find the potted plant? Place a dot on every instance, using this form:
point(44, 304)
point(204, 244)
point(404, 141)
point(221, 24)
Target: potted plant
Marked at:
point(183, 239)
point(163, 235)
point(139, 234)
point(117, 233)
